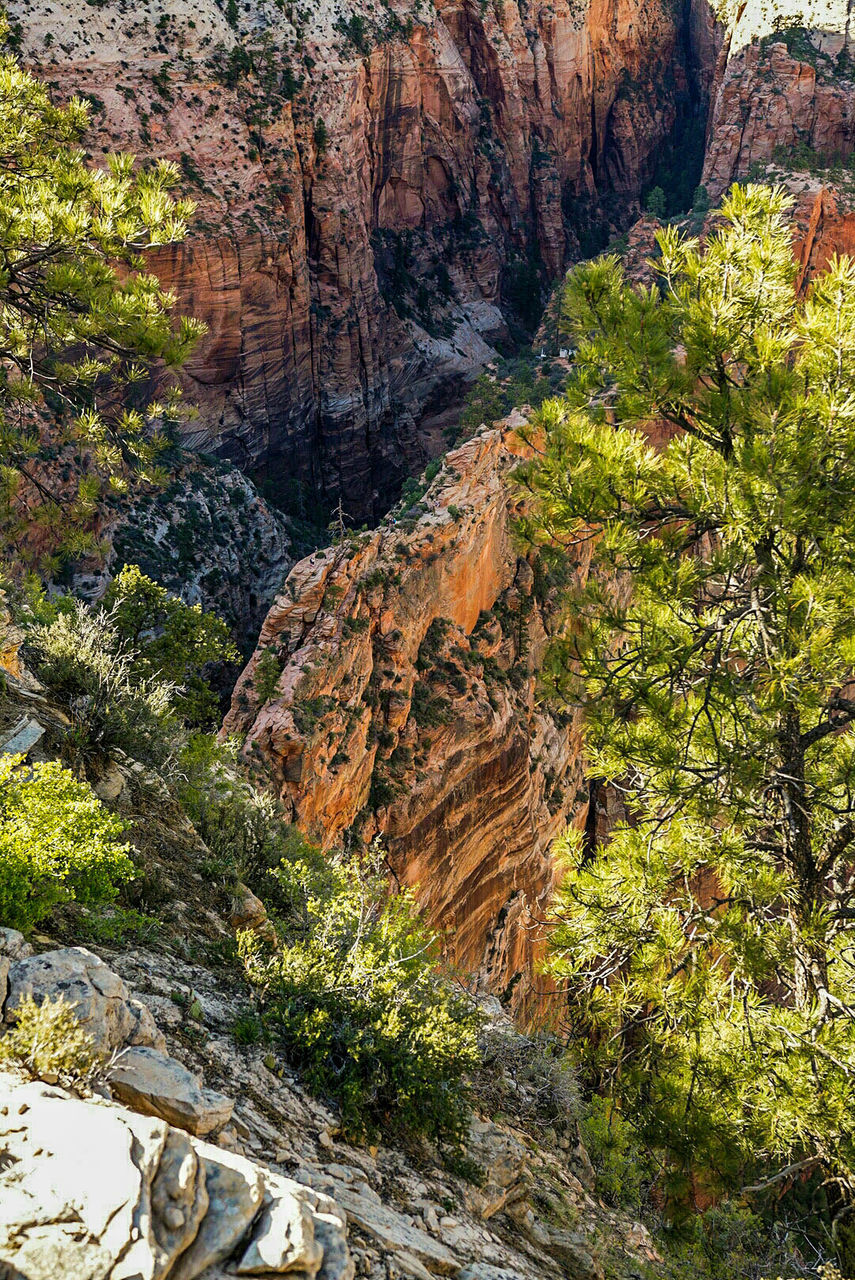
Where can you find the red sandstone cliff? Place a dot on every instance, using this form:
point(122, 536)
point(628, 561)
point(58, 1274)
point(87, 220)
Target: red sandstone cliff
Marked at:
point(405, 706)
point(382, 190)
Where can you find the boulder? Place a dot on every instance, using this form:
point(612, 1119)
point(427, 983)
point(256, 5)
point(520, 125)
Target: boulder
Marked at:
point(152, 1082)
point(284, 1238)
point(100, 998)
point(12, 944)
point(249, 912)
point(569, 1248)
point(235, 1192)
point(83, 1187)
point(89, 1190)
point(503, 1160)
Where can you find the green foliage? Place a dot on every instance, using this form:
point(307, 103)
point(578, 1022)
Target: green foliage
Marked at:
point(49, 1043)
point(621, 1165)
point(57, 843)
point(494, 394)
point(243, 827)
point(112, 702)
point(247, 1029)
point(172, 641)
point(321, 136)
point(708, 947)
point(77, 338)
point(352, 997)
point(268, 669)
point(701, 201)
point(655, 203)
point(131, 673)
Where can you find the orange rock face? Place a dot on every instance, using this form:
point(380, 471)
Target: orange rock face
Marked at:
point(405, 707)
point(382, 193)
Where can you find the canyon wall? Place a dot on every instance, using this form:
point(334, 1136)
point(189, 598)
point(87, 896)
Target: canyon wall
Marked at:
point(384, 192)
point(393, 694)
point(784, 90)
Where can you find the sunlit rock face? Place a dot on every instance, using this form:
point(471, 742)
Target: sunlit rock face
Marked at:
point(784, 87)
point(406, 708)
point(384, 193)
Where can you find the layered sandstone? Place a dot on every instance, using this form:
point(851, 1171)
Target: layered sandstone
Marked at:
point(405, 707)
point(384, 190)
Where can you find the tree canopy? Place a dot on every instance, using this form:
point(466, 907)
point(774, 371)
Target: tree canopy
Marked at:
point(708, 944)
point(83, 325)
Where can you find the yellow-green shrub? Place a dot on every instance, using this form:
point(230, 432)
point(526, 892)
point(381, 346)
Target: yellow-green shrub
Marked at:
point(354, 999)
point(48, 1041)
point(57, 843)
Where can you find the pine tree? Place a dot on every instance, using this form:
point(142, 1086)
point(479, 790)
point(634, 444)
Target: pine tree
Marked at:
point(708, 946)
point(82, 325)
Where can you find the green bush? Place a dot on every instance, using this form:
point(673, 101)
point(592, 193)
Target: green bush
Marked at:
point(618, 1158)
point(81, 658)
point(171, 642)
point(130, 673)
point(354, 1001)
point(268, 669)
point(57, 843)
point(49, 1043)
point(242, 827)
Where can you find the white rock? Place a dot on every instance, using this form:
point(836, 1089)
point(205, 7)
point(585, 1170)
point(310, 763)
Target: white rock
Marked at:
point(150, 1081)
point(12, 944)
point(235, 1192)
point(394, 1233)
point(79, 1185)
point(88, 1190)
point(284, 1239)
point(100, 998)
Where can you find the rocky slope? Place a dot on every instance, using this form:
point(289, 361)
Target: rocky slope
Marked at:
point(192, 1153)
point(208, 536)
point(383, 190)
point(404, 706)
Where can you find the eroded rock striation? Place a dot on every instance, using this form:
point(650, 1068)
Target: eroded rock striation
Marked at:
point(384, 190)
point(405, 706)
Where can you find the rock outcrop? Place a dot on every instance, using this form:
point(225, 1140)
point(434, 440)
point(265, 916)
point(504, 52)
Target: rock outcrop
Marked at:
point(784, 90)
point(383, 191)
point(89, 1189)
point(97, 1191)
point(405, 707)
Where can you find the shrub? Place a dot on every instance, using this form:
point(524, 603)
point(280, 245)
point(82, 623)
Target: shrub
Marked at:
point(170, 641)
point(81, 658)
point(655, 203)
point(620, 1163)
point(242, 827)
point(57, 843)
point(353, 998)
point(266, 678)
point(48, 1041)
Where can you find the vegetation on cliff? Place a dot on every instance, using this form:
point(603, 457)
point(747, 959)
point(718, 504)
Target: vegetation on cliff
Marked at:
point(350, 995)
point(707, 946)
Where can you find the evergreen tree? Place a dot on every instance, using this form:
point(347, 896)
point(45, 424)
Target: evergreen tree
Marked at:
point(655, 203)
point(708, 946)
point(79, 338)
